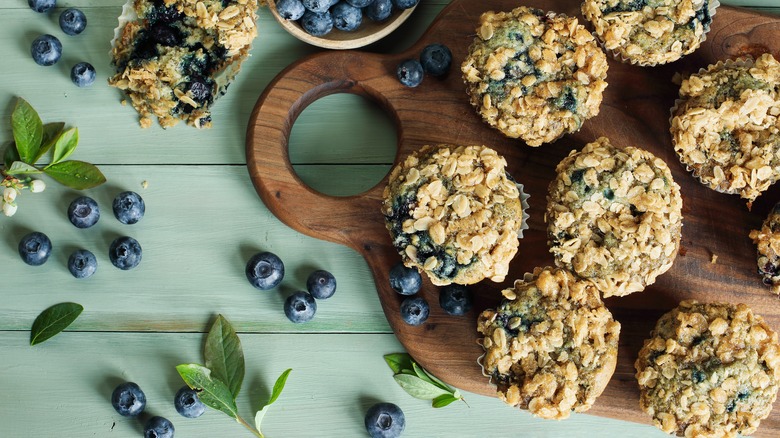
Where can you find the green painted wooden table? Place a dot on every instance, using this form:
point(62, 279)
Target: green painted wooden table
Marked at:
point(203, 221)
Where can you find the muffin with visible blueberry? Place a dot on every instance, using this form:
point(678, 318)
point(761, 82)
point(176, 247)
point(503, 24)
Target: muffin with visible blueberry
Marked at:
point(650, 32)
point(534, 75)
point(726, 127)
point(173, 58)
point(551, 345)
point(614, 216)
point(709, 370)
point(767, 240)
point(454, 213)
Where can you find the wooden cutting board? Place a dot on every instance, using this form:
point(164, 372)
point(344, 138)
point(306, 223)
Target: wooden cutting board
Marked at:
point(635, 111)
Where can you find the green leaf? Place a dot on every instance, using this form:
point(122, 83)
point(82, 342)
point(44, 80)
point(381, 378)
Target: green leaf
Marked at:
point(20, 168)
point(419, 372)
point(75, 174)
point(54, 320)
point(28, 130)
point(398, 362)
point(10, 154)
point(51, 132)
point(437, 382)
point(419, 388)
point(275, 393)
point(65, 144)
point(212, 392)
point(443, 400)
point(224, 356)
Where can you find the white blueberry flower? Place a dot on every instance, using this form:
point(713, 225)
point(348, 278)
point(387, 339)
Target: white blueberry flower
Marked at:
point(9, 209)
point(37, 186)
point(9, 194)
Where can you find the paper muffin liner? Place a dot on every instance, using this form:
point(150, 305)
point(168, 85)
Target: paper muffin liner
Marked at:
point(524, 207)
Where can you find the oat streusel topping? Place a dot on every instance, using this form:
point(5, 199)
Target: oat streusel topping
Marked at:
point(614, 216)
point(551, 346)
point(726, 127)
point(453, 212)
point(709, 370)
point(767, 240)
point(649, 32)
point(534, 76)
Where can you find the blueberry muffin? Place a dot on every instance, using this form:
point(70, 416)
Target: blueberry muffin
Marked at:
point(454, 212)
point(173, 58)
point(650, 32)
point(767, 239)
point(551, 345)
point(534, 75)
point(614, 216)
point(725, 126)
point(709, 370)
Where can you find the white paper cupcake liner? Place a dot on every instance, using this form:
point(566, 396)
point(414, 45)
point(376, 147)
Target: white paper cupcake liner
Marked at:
point(524, 207)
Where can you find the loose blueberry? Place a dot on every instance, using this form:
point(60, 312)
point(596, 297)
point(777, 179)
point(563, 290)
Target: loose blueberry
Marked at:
point(385, 420)
point(379, 10)
point(187, 403)
point(264, 270)
point(82, 263)
point(455, 299)
point(346, 17)
point(35, 248)
point(128, 399)
point(405, 4)
point(83, 74)
point(158, 427)
point(125, 253)
point(46, 50)
point(360, 3)
point(290, 9)
point(73, 21)
point(318, 6)
point(41, 5)
point(83, 212)
point(317, 24)
point(410, 72)
point(129, 207)
point(300, 307)
point(405, 281)
point(321, 284)
point(414, 310)
point(436, 59)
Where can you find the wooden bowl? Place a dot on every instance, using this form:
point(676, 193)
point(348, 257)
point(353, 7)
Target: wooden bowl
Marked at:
point(368, 32)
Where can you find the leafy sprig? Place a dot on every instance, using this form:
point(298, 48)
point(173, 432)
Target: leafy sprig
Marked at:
point(419, 383)
point(54, 320)
point(219, 381)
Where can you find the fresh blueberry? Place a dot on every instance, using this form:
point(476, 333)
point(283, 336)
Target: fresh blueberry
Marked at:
point(455, 299)
point(158, 427)
point(129, 207)
point(290, 9)
point(128, 399)
point(405, 281)
point(35, 248)
point(82, 263)
point(414, 310)
point(83, 212)
point(379, 10)
point(385, 420)
point(360, 3)
point(300, 307)
point(346, 17)
point(73, 21)
point(410, 72)
point(321, 284)
point(188, 404)
point(41, 5)
point(318, 6)
point(125, 253)
point(82, 74)
point(436, 59)
point(264, 270)
point(405, 4)
point(46, 50)
point(316, 23)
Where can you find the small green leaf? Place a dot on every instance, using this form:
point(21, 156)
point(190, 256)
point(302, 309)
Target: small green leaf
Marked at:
point(28, 130)
point(418, 388)
point(443, 400)
point(75, 174)
point(10, 154)
point(54, 320)
point(398, 362)
point(419, 372)
point(212, 392)
point(51, 132)
point(65, 144)
point(20, 168)
point(224, 356)
point(275, 393)
point(437, 382)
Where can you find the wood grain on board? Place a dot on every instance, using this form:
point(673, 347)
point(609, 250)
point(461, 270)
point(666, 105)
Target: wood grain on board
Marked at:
point(635, 111)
